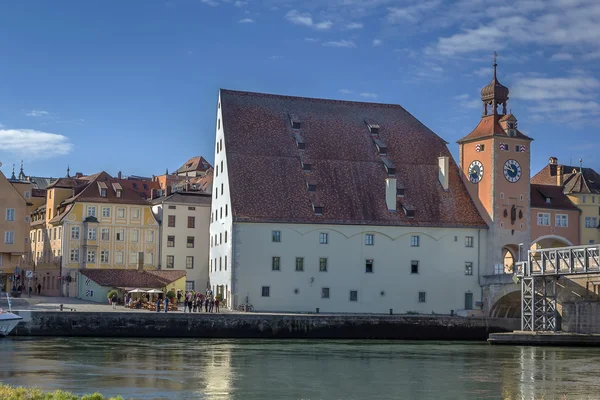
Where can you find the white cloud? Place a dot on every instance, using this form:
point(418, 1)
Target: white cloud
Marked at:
point(368, 95)
point(484, 72)
point(246, 21)
point(354, 25)
point(212, 3)
point(37, 113)
point(461, 97)
point(345, 91)
point(377, 42)
point(274, 58)
point(573, 87)
point(306, 19)
point(240, 3)
point(34, 144)
point(412, 13)
point(465, 101)
point(561, 57)
point(308, 39)
point(340, 43)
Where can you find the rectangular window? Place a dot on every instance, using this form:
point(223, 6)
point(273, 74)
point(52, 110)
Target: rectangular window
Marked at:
point(220, 264)
point(91, 211)
point(414, 241)
point(105, 234)
point(106, 212)
point(276, 236)
point(120, 234)
point(191, 222)
point(299, 263)
point(422, 297)
point(135, 235)
point(323, 264)
point(102, 192)
point(10, 214)
point(74, 255)
point(584, 199)
point(323, 238)
point(91, 234)
point(468, 268)
point(191, 208)
point(149, 236)
point(91, 256)
point(149, 259)
point(266, 291)
point(354, 295)
point(119, 192)
point(171, 222)
point(543, 219)
point(27, 195)
point(119, 257)
point(591, 222)
point(225, 236)
point(170, 262)
point(135, 213)
point(189, 286)
point(189, 262)
point(369, 239)
point(369, 266)
point(325, 293)
point(226, 209)
point(74, 232)
point(468, 241)
point(190, 242)
point(170, 241)
point(562, 220)
point(133, 257)
point(104, 256)
point(275, 264)
point(225, 263)
point(414, 267)
point(172, 207)
point(120, 213)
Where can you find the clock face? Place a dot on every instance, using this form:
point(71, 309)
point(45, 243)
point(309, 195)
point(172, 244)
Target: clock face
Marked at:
point(475, 171)
point(512, 171)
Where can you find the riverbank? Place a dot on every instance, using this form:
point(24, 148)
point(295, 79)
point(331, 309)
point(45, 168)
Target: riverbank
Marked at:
point(256, 325)
point(20, 393)
point(521, 338)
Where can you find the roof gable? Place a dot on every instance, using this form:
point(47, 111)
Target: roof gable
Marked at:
point(268, 182)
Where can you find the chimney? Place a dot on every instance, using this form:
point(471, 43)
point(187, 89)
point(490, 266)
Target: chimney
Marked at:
point(119, 175)
point(390, 193)
point(168, 189)
point(444, 166)
point(78, 174)
point(140, 261)
point(559, 175)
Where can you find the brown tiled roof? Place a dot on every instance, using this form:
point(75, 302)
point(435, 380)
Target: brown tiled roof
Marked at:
point(197, 163)
point(490, 126)
point(133, 192)
point(38, 192)
point(558, 200)
point(69, 183)
point(574, 181)
point(133, 278)
point(198, 198)
point(267, 182)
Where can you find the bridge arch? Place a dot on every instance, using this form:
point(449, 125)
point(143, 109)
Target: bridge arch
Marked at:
point(550, 241)
point(506, 303)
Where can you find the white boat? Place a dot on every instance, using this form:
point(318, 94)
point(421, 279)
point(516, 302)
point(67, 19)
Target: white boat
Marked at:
point(8, 320)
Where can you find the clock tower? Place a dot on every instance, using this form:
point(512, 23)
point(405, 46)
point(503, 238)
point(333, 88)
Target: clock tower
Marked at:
point(495, 163)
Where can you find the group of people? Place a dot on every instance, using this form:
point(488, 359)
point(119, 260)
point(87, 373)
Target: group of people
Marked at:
point(193, 302)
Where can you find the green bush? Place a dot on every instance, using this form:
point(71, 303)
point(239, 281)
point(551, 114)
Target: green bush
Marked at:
point(111, 293)
point(20, 393)
point(171, 294)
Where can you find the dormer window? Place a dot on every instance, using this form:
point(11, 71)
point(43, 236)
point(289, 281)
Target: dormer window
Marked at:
point(311, 184)
point(318, 210)
point(373, 126)
point(306, 166)
point(409, 211)
point(103, 189)
point(400, 191)
point(381, 146)
point(389, 166)
point(119, 193)
point(102, 192)
point(548, 200)
point(295, 121)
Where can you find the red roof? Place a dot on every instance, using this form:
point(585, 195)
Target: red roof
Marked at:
point(575, 179)
point(490, 126)
point(558, 200)
point(268, 183)
point(133, 278)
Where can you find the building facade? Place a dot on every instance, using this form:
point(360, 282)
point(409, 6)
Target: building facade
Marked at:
point(345, 215)
point(91, 222)
point(184, 219)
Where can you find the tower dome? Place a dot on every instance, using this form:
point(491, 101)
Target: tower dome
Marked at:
point(494, 94)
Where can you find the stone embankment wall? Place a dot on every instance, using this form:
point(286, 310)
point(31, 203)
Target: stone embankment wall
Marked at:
point(581, 317)
point(275, 326)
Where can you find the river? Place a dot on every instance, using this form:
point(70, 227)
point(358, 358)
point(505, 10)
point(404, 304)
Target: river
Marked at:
point(299, 369)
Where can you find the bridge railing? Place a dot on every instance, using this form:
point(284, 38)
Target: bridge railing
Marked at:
point(562, 261)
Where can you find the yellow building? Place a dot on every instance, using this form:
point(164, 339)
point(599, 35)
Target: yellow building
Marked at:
point(91, 222)
point(582, 187)
point(14, 221)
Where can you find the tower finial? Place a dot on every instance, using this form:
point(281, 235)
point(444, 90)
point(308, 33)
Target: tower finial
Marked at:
point(13, 173)
point(580, 165)
point(495, 63)
point(68, 171)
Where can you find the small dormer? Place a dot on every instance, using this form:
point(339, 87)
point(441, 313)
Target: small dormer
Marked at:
point(372, 125)
point(399, 190)
point(381, 146)
point(316, 204)
point(118, 189)
point(299, 140)
point(509, 124)
point(311, 184)
point(295, 121)
point(103, 189)
point(389, 166)
point(409, 210)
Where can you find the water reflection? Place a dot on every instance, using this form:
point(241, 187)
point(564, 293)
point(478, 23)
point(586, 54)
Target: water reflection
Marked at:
point(250, 369)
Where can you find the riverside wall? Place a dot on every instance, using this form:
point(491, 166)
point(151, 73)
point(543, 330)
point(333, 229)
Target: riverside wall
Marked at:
point(268, 326)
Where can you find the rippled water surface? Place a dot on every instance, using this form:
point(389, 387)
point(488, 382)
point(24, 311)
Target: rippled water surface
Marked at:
point(251, 369)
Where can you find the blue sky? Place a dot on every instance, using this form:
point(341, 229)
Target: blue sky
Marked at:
point(132, 85)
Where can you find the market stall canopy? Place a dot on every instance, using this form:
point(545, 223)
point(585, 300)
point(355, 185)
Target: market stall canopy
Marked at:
point(154, 291)
point(137, 291)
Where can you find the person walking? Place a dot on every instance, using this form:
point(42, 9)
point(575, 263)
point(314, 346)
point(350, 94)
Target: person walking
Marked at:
point(39, 288)
point(157, 304)
point(178, 297)
point(185, 302)
point(217, 305)
point(113, 300)
point(206, 305)
point(166, 304)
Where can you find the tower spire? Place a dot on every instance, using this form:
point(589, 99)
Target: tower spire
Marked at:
point(21, 173)
point(495, 63)
point(68, 171)
point(13, 173)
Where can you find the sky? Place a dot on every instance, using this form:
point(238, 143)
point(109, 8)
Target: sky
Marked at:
point(132, 86)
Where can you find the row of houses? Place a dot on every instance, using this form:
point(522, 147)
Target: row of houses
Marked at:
point(313, 203)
